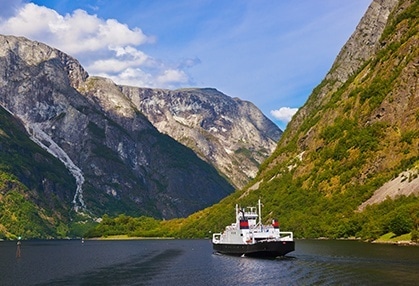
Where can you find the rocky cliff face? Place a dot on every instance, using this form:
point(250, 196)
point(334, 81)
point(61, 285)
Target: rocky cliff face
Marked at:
point(120, 162)
point(230, 134)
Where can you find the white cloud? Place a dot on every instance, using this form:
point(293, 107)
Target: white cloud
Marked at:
point(124, 58)
point(104, 47)
point(171, 76)
point(284, 114)
point(132, 77)
point(128, 51)
point(74, 33)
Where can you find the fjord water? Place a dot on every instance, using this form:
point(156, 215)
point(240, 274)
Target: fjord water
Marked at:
point(192, 262)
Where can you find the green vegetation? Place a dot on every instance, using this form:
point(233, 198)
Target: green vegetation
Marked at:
point(410, 15)
point(130, 226)
point(392, 238)
point(399, 216)
point(19, 217)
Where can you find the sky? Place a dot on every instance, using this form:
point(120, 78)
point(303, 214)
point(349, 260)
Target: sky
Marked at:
point(269, 52)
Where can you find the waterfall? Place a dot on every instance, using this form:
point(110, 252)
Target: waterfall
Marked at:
point(39, 136)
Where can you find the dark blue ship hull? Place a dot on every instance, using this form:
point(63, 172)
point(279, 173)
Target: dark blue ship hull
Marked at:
point(268, 249)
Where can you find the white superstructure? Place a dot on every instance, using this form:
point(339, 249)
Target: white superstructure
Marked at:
point(248, 229)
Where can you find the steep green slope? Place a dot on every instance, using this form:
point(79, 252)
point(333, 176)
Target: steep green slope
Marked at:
point(25, 169)
point(346, 142)
point(359, 136)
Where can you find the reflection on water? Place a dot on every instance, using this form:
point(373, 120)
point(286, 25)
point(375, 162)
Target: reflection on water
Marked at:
point(133, 272)
point(191, 262)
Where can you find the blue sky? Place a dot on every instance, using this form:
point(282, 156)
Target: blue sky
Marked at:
point(269, 52)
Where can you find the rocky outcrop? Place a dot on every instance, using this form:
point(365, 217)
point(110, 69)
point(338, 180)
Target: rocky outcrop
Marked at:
point(364, 42)
point(360, 47)
point(230, 134)
point(120, 162)
point(405, 184)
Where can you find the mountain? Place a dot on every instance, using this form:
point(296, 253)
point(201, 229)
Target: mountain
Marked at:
point(231, 134)
point(119, 162)
point(348, 163)
point(109, 158)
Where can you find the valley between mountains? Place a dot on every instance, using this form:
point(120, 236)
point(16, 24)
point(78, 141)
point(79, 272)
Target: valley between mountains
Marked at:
point(77, 149)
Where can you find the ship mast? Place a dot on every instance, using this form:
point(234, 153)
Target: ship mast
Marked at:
point(260, 213)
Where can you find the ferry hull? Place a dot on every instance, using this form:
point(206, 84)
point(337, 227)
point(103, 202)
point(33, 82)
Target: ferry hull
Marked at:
point(269, 249)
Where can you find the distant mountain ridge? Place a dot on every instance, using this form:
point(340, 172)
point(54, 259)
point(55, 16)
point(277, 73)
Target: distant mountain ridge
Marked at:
point(228, 133)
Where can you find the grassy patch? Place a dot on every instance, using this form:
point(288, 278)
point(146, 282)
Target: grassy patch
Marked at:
point(392, 238)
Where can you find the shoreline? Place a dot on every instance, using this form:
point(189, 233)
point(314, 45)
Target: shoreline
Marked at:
point(381, 240)
point(397, 242)
point(126, 237)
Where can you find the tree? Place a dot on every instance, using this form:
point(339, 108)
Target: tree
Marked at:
point(401, 223)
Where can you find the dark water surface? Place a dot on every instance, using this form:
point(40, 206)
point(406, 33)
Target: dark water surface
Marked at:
point(191, 262)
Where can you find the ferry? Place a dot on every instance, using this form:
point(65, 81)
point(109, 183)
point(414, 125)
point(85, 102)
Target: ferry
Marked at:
point(249, 237)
